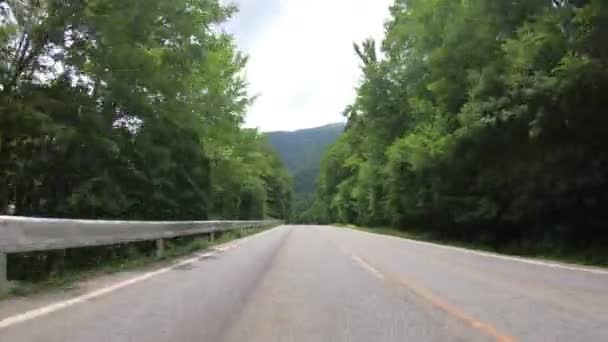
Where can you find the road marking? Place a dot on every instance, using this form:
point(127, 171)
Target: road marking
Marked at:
point(234, 244)
point(492, 255)
point(367, 267)
point(35, 313)
point(435, 301)
point(256, 235)
point(225, 248)
point(453, 310)
point(43, 311)
point(430, 297)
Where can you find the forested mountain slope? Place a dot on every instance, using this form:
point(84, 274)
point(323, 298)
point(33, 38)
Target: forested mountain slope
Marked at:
point(483, 120)
point(131, 110)
point(301, 152)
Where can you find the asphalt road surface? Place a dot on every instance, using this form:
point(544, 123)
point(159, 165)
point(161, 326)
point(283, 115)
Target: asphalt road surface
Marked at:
point(314, 283)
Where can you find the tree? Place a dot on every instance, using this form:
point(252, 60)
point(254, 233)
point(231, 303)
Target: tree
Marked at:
point(113, 109)
point(483, 121)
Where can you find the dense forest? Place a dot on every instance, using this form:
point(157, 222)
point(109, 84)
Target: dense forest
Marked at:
point(302, 152)
point(132, 110)
point(479, 120)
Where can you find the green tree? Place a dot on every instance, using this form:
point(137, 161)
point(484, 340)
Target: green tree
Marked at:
point(482, 121)
point(113, 109)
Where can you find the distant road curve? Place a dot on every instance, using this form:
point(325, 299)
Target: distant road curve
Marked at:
point(319, 283)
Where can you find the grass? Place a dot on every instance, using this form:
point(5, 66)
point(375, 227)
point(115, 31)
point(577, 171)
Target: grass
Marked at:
point(173, 249)
point(528, 249)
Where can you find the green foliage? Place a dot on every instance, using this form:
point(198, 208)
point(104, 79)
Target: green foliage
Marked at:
point(302, 151)
point(114, 109)
point(483, 121)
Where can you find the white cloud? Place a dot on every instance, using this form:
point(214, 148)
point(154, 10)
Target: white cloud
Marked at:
point(302, 61)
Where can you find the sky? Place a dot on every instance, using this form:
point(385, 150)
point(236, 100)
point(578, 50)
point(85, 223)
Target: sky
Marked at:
point(301, 59)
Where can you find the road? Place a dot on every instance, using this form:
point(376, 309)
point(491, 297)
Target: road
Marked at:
point(317, 283)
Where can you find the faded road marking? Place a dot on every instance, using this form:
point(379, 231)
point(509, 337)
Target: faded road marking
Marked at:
point(225, 248)
point(367, 267)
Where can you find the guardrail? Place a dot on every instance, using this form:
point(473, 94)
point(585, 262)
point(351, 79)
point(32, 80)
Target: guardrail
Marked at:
point(26, 234)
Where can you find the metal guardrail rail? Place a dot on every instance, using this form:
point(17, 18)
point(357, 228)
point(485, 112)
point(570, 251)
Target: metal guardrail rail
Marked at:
point(26, 234)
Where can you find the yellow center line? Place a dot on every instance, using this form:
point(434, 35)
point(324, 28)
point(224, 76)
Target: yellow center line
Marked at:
point(453, 310)
point(431, 298)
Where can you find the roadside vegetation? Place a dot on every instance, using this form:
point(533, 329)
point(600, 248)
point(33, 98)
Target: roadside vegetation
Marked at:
point(130, 110)
point(482, 123)
point(113, 109)
point(302, 152)
point(478, 122)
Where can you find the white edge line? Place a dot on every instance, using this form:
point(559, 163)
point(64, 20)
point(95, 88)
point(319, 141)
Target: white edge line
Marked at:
point(491, 255)
point(367, 267)
point(35, 313)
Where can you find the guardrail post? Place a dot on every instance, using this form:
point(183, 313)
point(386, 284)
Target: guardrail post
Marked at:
point(160, 248)
point(212, 236)
point(3, 274)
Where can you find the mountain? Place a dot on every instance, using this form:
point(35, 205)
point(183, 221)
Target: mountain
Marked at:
point(302, 152)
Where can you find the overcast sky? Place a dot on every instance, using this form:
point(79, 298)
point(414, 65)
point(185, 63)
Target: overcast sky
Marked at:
point(302, 64)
